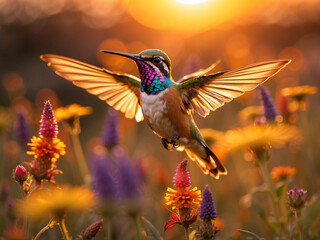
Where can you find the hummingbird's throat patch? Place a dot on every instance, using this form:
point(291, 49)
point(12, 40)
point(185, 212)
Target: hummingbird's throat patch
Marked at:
point(152, 81)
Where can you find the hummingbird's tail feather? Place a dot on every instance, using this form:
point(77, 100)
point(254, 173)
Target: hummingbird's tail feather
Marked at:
point(209, 165)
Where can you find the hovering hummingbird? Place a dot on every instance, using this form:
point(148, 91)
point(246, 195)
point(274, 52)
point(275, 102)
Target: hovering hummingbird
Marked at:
point(165, 104)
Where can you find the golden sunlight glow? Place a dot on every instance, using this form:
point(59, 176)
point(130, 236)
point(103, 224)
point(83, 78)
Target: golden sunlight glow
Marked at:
point(191, 1)
point(193, 18)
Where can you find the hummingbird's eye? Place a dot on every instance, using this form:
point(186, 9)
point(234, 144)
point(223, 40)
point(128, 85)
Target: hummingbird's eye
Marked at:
point(156, 60)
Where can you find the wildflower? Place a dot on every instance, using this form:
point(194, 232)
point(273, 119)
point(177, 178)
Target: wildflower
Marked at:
point(299, 95)
point(282, 172)
point(20, 174)
point(91, 231)
point(183, 199)
point(269, 111)
point(210, 135)
point(22, 131)
point(296, 198)
point(48, 124)
point(40, 148)
point(71, 116)
point(250, 113)
point(258, 138)
point(55, 202)
point(110, 136)
point(207, 208)
point(181, 178)
point(207, 214)
point(103, 185)
point(128, 185)
point(46, 148)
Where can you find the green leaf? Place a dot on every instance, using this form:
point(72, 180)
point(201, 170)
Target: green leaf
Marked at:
point(150, 229)
point(249, 234)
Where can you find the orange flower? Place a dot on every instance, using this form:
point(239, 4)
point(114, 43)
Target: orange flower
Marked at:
point(282, 172)
point(183, 198)
point(41, 147)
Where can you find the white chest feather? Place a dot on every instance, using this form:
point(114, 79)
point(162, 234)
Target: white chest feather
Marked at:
point(155, 111)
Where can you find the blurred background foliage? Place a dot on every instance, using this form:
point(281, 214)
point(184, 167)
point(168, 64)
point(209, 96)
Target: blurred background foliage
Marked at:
point(194, 35)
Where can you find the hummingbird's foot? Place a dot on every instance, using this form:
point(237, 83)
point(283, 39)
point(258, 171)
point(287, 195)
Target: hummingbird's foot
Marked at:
point(173, 141)
point(169, 145)
point(165, 144)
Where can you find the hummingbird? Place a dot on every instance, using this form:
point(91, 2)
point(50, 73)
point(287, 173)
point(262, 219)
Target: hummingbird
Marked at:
point(167, 105)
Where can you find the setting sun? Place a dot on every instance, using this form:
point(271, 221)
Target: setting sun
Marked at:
point(191, 1)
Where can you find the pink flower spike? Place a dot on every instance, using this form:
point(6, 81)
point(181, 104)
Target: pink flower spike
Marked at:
point(182, 179)
point(48, 123)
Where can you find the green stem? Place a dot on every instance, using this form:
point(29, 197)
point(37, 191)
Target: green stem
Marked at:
point(262, 162)
point(138, 227)
point(297, 216)
point(108, 229)
point(186, 232)
point(80, 156)
point(49, 225)
point(63, 229)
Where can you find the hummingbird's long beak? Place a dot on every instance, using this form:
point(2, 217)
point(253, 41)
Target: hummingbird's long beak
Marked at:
point(128, 55)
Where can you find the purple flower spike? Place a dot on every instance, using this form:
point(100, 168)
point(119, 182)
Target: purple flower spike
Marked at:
point(48, 123)
point(128, 183)
point(268, 109)
point(22, 131)
point(110, 136)
point(103, 182)
point(182, 179)
point(207, 208)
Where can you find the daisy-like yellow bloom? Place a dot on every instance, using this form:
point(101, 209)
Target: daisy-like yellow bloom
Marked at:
point(41, 147)
point(183, 198)
point(55, 202)
point(258, 137)
point(250, 113)
point(282, 172)
point(210, 135)
point(299, 94)
point(71, 112)
point(70, 115)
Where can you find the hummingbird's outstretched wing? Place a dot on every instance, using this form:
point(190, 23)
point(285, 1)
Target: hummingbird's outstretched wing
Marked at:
point(209, 92)
point(199, 72)
point(121, 91)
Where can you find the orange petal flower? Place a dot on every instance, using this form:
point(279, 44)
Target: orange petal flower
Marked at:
point(41, 147)
point(183, 198)
point(282, 172)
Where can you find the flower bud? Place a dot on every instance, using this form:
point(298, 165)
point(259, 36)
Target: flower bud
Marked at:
point(91, 231)
point(296, 198)
point(20, 174)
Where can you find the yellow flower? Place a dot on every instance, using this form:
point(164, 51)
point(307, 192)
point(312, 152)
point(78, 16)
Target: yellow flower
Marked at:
point(299, 95)
point(41, 147)
point(250, 113)
point(71, 112)
point(282, 172)
point(183, 198)
point(55, 202)
point(258, 137)
point(299, 92)
point(211, 135)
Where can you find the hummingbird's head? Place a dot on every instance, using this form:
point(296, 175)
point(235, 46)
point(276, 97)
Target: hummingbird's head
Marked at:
point(154, 67)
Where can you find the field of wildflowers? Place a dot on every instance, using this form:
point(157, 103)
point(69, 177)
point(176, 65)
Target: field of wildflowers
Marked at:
point(71, 167)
